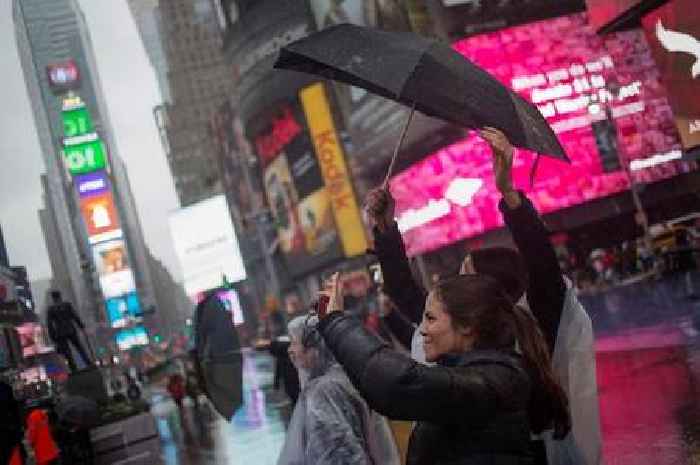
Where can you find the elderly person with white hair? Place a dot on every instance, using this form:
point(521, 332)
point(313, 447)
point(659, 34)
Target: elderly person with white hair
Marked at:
point(331, 423)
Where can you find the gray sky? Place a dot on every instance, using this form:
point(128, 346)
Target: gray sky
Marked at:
point(131, 90)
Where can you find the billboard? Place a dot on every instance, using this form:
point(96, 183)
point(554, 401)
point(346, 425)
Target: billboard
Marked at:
point(76, 121)
point(331, 158)
point(206, 245)
point(88, 185)
point(577, 79)
point(131, 337)
point(32, 339)
point(100, 215)
point(232, 304)
point(292, 179)
point(112, 265)
point(673, 32)
point(63, 76)
point(84, 154)
point(121, 310)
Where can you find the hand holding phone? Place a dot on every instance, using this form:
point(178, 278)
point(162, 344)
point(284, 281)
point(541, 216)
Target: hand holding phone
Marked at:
point(330, 299)
point(321, 305)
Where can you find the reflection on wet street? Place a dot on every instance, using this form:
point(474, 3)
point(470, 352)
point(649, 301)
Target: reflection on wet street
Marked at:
point(201, 437)
point(648, 356)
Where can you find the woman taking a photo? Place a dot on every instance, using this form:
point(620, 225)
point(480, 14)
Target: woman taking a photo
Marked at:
point(492, 385)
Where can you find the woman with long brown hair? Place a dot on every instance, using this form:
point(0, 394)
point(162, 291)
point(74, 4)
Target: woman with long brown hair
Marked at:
point(492, 386)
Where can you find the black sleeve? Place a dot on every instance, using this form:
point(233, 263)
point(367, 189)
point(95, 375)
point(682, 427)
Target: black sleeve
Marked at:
point(546, 287)
point(400, 327)
point(399, 283)
point(402, 389)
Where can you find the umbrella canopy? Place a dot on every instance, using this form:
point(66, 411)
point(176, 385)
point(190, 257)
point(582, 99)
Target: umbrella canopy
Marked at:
point(218, 356)
point(425, 74)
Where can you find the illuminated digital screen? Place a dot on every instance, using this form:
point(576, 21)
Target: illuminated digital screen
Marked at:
point(85, 157)
point(131, 337)
point(602, 96)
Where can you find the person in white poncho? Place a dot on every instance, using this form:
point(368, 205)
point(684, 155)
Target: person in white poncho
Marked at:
point(331, 423)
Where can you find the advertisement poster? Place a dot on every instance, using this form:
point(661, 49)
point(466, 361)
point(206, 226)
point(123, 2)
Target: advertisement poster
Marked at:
point(91, 184)
point(206, 245)
point(232, 304)
point(63, 76)
point(131, 337)
point(112, 265)
point(84, 154)
point(331, 158)
point(295, 190)
point(99, 214)
point(576, 79)
point(673, 33)
point(120, 310)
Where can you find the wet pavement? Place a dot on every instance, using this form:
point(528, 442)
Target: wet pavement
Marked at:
point(201, 437)
point(648, 355)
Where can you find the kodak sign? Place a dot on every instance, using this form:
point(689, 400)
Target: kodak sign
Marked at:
point(334, 170)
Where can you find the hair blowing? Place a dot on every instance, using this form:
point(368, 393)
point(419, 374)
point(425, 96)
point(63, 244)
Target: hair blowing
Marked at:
point(480, 302)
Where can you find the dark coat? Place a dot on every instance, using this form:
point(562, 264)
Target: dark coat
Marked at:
point(471, 409)
point(545, 291)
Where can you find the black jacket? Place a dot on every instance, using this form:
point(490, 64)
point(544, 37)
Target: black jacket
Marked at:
point(471, 409)
point(545, 292)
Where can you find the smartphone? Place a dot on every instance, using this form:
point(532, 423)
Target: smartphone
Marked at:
point(322, 305)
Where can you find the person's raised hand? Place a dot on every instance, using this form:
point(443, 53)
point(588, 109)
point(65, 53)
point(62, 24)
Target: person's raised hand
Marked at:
point(379, 208)
point(334, 290)
point(502, 153)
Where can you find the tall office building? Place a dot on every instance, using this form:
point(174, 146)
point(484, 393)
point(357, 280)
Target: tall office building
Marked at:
point(4, 260)
point(89, 220)
point(198, 83)
point(147, 17)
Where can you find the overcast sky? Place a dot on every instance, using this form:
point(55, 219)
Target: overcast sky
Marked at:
point(131, 90)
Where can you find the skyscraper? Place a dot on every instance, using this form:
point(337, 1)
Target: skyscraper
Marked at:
point(147, 17)
point(90, 222)
point(4, 260)
point(198, 83)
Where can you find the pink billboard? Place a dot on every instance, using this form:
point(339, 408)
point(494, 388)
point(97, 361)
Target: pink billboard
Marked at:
point(602, 96)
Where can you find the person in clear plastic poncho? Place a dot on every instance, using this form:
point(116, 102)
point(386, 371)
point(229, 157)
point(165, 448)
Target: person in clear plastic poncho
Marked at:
point(331, 423)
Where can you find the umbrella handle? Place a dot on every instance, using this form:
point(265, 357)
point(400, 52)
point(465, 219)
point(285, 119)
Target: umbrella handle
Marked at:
point(398, 147)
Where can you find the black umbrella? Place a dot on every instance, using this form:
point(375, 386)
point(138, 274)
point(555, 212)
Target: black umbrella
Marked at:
point(424, 74)
point(218, 356)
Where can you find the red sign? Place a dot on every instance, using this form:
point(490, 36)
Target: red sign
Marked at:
point(673, 33)
point(63, 76)
point(284, 129)
point(99, 214)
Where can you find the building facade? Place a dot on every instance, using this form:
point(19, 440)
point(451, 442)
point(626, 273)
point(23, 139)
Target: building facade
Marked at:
point(93, 235)
point(198, 82)
point(146, 14)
